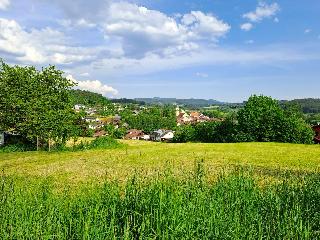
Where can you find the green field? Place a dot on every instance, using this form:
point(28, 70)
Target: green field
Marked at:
point(149, 157)
point(145, 190)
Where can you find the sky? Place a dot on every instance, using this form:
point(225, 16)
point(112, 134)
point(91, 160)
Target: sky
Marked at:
point(214, 49)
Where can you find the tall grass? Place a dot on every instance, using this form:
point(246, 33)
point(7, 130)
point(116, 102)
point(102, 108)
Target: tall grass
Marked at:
point(234, 207)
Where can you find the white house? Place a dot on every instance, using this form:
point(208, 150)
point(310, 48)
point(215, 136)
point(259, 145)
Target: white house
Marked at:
point(168, 136)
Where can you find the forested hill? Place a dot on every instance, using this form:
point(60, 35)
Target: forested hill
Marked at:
point(187, 102)
point(308, 105)
point(88, 98)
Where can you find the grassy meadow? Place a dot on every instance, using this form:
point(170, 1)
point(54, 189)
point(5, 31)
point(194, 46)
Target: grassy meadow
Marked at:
point(148, 158)
point(145, 190)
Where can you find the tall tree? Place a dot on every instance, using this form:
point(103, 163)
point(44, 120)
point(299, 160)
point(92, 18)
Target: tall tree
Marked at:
point(37, 104)
point(263, 120)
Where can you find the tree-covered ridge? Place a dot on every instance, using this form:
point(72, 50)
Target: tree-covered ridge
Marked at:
point(88, 98)
point(127, 101)
point(307, 105)
point(192, 102)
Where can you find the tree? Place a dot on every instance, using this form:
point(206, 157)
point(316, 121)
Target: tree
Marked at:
point(263, 120)
point(185, 133)
point(37, 104)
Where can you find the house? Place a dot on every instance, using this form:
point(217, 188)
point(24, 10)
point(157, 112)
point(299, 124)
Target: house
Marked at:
point(167, 136)
point(316, 129)
point(146, 137)
point(134, 134)
point(183, 118)
point(100, 133)
point(161, 135)
point(79, 107)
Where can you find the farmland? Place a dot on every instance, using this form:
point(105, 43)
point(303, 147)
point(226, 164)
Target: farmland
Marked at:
point(145, 190)
point(148, 157)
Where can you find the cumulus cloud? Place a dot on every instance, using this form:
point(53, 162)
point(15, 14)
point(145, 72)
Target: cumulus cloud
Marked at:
point(93, 86)
point(262, 11)
point(4, 4)
point(41, 46)
point(246, 26)
point(204, 25)
point(140, 31)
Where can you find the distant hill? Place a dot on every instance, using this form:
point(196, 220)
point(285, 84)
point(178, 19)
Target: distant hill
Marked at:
point(307, 105)
point(126, 100)
point(88, 98)
point(192, 102)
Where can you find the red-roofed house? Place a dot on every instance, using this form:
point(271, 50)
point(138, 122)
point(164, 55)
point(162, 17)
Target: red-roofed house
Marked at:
point(316, 129)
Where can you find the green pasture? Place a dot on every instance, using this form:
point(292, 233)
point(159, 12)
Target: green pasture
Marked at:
point(148, 158)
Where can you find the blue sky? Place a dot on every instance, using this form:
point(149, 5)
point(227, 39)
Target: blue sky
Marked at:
point(225, 50)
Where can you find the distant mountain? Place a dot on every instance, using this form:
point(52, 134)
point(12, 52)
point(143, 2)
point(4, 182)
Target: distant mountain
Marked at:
point(192, 102)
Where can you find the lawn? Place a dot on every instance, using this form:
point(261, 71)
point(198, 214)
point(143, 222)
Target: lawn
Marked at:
point(148, 157)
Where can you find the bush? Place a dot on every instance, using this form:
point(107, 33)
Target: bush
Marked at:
point(19, 147)
point(98, 143)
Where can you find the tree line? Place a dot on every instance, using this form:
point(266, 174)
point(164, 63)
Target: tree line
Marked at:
point(262, 119)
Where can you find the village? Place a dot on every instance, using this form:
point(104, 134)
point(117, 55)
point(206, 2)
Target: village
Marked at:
point(98, 123)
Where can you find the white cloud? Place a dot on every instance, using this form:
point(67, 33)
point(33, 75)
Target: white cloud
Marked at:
point(262, 11)
point(93, 86)
point(41, 46)
point(67, 23)
point(308, 30)
point(4, 4)
point(204, 25)
point(246, 26)
point(202, 75)
point(142, 31)
point(276, 20)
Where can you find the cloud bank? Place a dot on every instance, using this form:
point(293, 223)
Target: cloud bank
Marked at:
point(93, 86)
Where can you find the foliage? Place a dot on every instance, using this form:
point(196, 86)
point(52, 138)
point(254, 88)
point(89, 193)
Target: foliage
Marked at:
point(307, 105)
point(192, 103)
point(36, 103)
point(214, 113)
point(210, 132)
point(185, 133)
point(16, 148)
point(97, 143)
point(263, 120)
point(313, 119)
point(151, 119)
point(102, 143)
point(127, 101)
point(88, 98)
point(234, 207)
point(114, 132)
